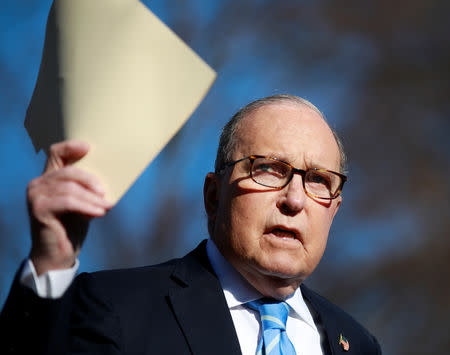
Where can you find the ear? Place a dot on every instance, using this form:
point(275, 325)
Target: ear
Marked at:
point(211, 196)
point(337, 204)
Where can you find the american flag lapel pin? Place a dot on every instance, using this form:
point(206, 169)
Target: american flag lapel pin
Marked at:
point(343, 342)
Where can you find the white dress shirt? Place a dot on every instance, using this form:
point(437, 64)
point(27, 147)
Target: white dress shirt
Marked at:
point(51, 284)
point(300, 326)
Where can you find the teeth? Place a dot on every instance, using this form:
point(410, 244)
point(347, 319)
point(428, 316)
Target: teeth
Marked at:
point(283, 234)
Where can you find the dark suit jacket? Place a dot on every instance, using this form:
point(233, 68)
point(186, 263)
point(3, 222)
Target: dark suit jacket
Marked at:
point(173, 308)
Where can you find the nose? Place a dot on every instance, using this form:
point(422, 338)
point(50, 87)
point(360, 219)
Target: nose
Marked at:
point(293, 198)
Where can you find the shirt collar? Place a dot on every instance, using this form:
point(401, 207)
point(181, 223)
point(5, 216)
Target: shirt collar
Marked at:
point(238, 291)
point(235, 287)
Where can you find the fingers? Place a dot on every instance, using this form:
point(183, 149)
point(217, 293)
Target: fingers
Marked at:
point(63, 188)
point(66, 190)
point(65, 153)
point(48, 200)
point(71, 173)
point(62, 155)
point(61, 202)
point(76, 190)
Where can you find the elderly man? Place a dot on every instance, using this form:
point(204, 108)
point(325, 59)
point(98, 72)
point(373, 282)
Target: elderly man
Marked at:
point(270, 204)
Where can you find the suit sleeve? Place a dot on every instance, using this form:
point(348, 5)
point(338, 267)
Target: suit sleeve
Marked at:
point(28, 322)
point(94, 326)
point(80, 322)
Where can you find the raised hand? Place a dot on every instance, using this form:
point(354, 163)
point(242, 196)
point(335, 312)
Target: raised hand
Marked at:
point(61, 202)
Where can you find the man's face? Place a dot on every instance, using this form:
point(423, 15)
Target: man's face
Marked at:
point(275, 238)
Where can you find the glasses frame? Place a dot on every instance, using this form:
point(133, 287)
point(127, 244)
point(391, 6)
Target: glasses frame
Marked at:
point(294, 170)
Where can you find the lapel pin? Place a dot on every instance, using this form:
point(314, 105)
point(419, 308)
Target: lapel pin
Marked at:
point(343, 342)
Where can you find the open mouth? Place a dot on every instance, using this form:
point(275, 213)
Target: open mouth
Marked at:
point(283, 233)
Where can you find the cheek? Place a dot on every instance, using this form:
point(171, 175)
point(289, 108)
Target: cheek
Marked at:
point(248, 216)
point(243, 216)
point(320, 227)
point(243, 207)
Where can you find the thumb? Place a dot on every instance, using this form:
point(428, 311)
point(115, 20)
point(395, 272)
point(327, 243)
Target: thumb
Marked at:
point(65, 153)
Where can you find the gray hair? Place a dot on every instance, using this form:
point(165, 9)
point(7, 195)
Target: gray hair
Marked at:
point(227, 140)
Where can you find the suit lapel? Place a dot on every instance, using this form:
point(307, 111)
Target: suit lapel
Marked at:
point(330, 345)
point(200, 306)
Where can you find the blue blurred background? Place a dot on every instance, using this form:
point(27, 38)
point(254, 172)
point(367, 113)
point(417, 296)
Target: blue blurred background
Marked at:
point(379, 70)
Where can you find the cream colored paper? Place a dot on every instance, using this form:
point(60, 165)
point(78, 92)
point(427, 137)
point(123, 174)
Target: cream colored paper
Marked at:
point(113, 75)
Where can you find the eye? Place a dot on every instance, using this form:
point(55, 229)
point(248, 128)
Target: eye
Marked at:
point(319, 178)
point(269, 167)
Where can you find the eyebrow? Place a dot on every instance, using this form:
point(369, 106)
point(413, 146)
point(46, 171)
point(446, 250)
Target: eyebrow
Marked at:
point(309, 164)
point(288, 158)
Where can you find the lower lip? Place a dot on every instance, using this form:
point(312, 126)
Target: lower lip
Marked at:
point(285, 241)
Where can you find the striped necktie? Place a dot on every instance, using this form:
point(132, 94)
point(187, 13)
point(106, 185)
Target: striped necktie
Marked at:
point(274, 340)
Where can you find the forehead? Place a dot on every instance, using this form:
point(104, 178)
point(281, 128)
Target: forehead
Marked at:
point(292, 132)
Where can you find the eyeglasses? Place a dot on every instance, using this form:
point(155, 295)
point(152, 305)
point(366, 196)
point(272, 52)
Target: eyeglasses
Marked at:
point(276, 174)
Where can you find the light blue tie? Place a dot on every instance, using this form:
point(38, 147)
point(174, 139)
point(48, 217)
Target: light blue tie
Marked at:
point(274, 340)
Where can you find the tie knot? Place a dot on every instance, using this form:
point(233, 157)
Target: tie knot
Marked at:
point(273, 313)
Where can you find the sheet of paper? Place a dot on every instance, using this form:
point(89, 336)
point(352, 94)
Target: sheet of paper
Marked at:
point(113, 75)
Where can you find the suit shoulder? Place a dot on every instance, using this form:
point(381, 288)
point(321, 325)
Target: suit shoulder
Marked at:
point(321, 303)
point(128, 279)
point(333, 317)
point(159, 275)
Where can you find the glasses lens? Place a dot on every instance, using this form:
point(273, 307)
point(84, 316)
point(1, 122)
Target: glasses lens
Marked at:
point(271, 173)
point(322, 183)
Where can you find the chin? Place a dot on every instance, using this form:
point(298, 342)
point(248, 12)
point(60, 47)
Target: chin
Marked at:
point(285, 270)
point(278, 287)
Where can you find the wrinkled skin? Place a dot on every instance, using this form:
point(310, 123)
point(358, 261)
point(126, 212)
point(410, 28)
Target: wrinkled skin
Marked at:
point(275, 239)
point(61, 202)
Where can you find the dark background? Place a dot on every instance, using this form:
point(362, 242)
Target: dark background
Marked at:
point(379, 70)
